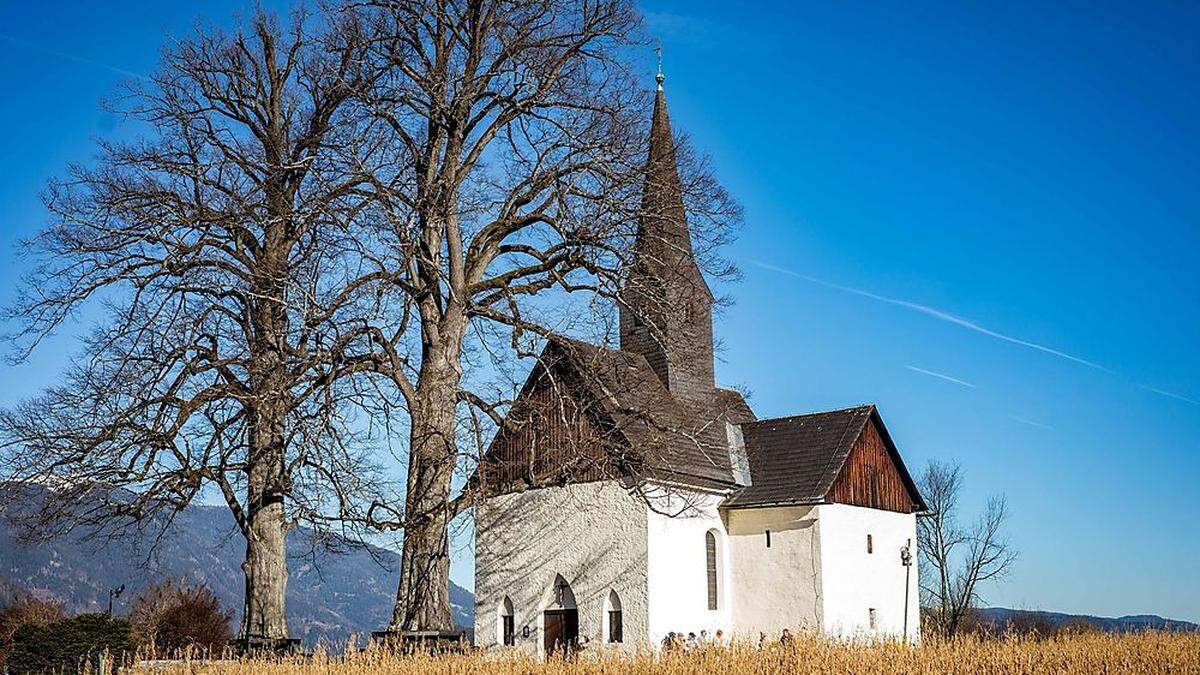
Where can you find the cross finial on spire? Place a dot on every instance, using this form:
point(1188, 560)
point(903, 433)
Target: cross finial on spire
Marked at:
point(659, 77)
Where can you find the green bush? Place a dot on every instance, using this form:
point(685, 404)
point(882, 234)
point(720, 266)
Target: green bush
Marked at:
point(24, 610)
point(64, 646)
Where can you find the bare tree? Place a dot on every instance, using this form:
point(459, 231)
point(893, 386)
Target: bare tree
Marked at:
point(202, 252)
point(519, 139)
point(957, 558)
point(415, 201)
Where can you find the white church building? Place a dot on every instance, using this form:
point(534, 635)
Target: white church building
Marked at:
point(630, 497)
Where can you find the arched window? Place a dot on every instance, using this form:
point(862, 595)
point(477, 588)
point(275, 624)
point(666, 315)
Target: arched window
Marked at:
point(507, 625)
point(614, 630)
point(710, 559)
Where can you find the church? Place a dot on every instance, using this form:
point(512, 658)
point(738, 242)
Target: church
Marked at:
point(628, 496)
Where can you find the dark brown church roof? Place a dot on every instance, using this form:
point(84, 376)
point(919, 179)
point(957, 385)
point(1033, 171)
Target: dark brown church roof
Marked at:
point(678, 440)
point(795, 460)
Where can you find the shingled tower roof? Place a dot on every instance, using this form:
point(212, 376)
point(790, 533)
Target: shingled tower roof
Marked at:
point(666, 315)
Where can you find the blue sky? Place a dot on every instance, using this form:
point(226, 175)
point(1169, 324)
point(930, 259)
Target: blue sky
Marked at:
point(985, 220)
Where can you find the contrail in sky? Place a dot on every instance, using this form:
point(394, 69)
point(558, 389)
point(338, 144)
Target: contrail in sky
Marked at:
point(1031, 423)
point(935, 313)
point(70, 57)
point(970, 325)
point(941, 376)
point(1173, 395)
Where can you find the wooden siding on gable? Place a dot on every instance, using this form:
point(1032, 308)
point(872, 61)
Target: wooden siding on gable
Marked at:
point(870, 477)
point(552, 439)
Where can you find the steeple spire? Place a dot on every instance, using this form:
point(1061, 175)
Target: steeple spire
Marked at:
point(667, 314)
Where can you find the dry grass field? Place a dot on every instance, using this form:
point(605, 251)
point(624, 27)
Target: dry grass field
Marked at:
point(1077, 654)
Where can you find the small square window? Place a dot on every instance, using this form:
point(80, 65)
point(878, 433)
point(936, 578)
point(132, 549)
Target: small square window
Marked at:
point(870, 546)
point(871, 617)
point(768, 539)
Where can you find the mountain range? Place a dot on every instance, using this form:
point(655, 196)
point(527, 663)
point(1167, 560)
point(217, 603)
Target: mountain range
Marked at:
point(335, 590)
point(1001, 616)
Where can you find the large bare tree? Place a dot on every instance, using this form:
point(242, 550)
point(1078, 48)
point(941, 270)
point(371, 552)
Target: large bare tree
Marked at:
point(200, 254)
point(957, 558)
point(519, 136)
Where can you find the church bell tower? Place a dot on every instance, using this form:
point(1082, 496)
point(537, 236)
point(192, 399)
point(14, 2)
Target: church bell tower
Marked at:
point(666, 308)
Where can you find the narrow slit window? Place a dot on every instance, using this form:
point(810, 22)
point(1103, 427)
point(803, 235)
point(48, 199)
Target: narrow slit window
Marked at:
point(870, 547)
point(768, 539)
point(710, 555)
point(507, 623)
point(871, 617)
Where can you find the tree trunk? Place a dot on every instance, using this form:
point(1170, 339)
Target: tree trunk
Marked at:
point(265, 567)
point(265, 614)
point(423, 598)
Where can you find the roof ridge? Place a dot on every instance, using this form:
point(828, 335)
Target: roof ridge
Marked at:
point(856, 408)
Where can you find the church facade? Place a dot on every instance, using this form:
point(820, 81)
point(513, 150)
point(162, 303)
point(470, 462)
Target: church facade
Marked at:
point(629, 496)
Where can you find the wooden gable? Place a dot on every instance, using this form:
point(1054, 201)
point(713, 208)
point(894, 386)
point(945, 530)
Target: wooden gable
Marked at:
point(555, 435)
point(873, 476)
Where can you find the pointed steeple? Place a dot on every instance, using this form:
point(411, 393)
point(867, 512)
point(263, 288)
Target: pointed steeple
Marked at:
point(668, 312)
point(662, 195)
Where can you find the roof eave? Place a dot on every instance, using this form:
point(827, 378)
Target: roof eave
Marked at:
point(775, 504)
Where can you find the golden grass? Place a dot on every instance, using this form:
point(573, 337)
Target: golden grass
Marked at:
point(1088, 653)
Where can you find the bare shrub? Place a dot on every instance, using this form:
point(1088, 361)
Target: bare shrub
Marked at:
point(172, 617)
point(1029, 625)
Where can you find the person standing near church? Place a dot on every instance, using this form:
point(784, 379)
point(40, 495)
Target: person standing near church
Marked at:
point(786, 640)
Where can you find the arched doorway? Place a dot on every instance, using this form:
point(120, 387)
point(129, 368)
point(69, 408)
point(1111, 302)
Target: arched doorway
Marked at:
point(560, 620)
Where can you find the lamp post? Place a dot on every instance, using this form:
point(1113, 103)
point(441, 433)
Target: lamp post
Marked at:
point(114, 593)
point(906, 560)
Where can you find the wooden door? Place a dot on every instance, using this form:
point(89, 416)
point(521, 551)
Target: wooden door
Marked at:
point(552, 635)
point(561, 631)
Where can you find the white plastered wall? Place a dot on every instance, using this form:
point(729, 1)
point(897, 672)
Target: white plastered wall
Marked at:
point(593, 534)
point(780, 586)
point(854, 581)
point(677, 564)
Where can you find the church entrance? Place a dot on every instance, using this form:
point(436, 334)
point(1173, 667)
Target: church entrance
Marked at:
point(562, 631)
point(560, 621)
